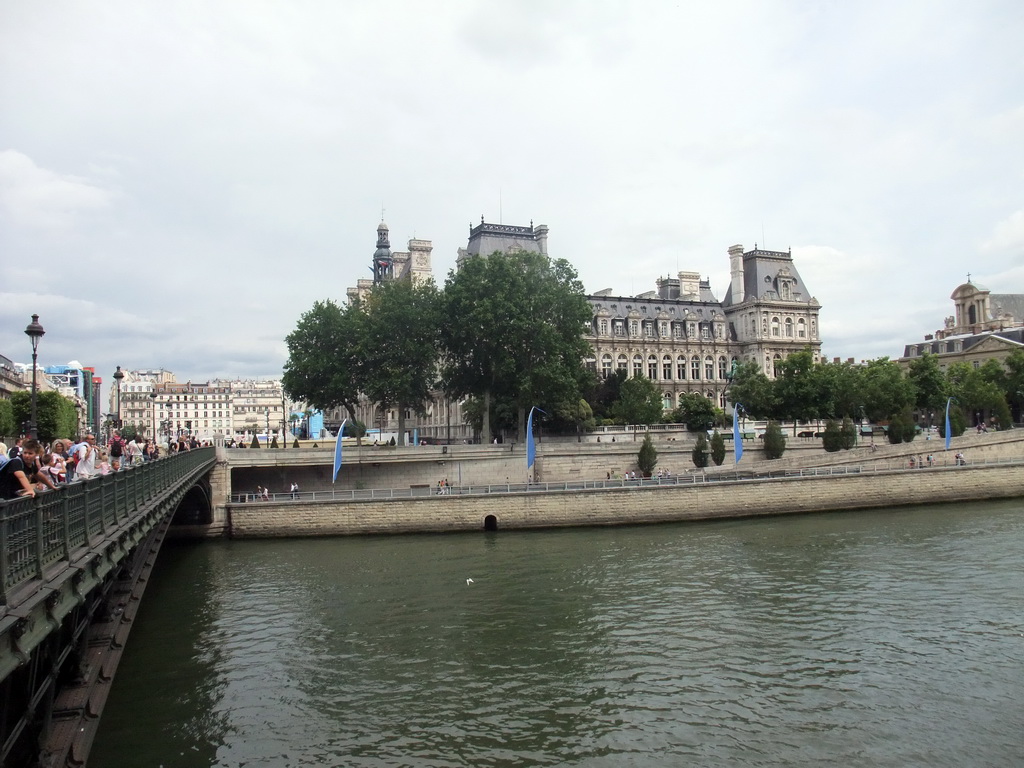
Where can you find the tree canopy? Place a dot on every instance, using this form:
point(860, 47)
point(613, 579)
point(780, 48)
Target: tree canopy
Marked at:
point(513, 330)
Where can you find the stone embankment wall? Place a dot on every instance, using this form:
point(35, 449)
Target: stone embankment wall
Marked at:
point(701, 501)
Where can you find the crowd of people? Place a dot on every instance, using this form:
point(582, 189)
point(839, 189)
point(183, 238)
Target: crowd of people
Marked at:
point(29, 466)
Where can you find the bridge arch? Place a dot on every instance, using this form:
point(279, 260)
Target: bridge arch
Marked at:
point(196, 506)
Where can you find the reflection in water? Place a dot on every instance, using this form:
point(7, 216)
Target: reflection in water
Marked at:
point(886, 638)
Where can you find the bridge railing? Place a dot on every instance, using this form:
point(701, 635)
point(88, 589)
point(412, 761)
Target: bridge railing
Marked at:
point(36, 533)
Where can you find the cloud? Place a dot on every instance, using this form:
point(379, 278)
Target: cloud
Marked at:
point(38, 198)
point(1008, 236)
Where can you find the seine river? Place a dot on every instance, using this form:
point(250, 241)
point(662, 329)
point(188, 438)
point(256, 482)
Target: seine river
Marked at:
point(883, 638)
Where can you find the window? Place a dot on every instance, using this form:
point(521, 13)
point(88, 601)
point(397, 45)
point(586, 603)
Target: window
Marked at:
point(622, 364)
point(691, 330)
point(634, 328)
point(722, 370)
point(604, 327)
point(705, 332)
point(709, 367)
point(618, 329)
point(681, 367)
point(663, 329)
point(801, 329)
point(638, 365)
point(649, 330)
point(677, 330)
point(652, 367)
point(789, 328)
point(695, 368)
point(666, 367)
point(606, 366)
point(776, 331)
point(776, 362)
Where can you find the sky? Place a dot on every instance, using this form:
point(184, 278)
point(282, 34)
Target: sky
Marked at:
point(180, 181)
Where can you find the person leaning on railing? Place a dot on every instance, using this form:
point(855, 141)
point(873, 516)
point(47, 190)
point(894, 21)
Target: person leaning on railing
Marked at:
point(14, 475)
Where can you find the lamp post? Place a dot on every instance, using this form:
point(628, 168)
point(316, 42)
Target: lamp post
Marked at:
point(35, 332)
point(152, 397)
point(268, 427)
point(117, 378)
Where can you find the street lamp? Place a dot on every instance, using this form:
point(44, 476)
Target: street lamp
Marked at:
point(117, 377)
point(35, 332)
point(152, 397)
point(268, 427)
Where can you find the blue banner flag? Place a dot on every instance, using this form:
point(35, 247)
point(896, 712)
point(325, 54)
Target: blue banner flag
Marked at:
point(949, 434)
point(737, 438)
point(337, 451)
point(531, 449)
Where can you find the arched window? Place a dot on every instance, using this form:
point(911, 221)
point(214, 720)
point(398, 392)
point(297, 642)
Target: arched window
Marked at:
point(695, 368)
point(789, 328)
point(681, 367)
point(711, 396)
point(652, 367)
point(666, 367)
point(623, 363)
point(679, 398)
point(666, 401)
point(638, 365)
point(723, 371)
point(776, 329)
point(721, 401)
point(709, 367)
point(606, 366)
point(801, 329)
point(776, 361)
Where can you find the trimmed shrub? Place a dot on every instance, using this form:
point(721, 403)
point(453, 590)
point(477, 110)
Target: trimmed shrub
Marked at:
point(848, 434)
point(700, 454)
point(647, 457)
point(717, 448)
point(774, 441)
point(832, 440)
point(255, 442)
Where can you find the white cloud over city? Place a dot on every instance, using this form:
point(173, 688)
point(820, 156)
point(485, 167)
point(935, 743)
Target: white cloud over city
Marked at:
point(179, 181)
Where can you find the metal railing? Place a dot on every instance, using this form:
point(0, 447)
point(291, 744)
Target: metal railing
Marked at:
point(36, 533)
point(690, 478)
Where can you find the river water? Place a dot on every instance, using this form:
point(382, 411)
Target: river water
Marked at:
point(881, 638)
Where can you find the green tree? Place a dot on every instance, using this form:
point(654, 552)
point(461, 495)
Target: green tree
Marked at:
point(399, 346)
point(886, 390)
point(1004, 419)
point(7, 428)
point(695, 411)
point(717, 448)
point(700, 453)
point(796, 390)
point(514, 330)
point(847, 434)
point(974, 390)
point(607, 392)
point(639, 402)
point(1014, 381)
point(647, 457)
point(837, 389)
point(832, 439)
point(774, 441)
point(752, 389)
point(901, 428)
point(56, 416)
point(929, 382)
point(324, 366)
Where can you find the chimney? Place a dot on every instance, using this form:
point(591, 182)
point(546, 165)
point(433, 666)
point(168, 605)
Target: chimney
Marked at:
point(736, 268)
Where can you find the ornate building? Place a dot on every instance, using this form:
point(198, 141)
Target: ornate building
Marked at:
point(682, 337)
point(984, 326)
point(413, 264)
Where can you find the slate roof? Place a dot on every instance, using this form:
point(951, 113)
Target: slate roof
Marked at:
point(760, 271)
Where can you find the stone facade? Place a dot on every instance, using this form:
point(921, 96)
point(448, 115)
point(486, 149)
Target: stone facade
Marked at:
point(682, 337)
